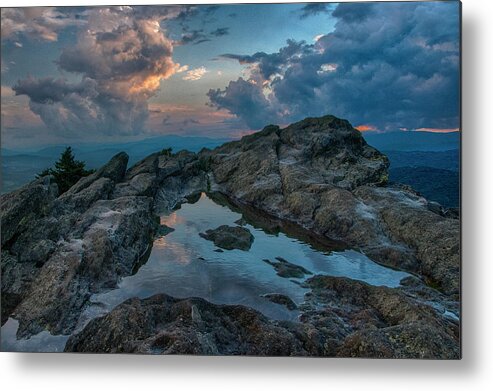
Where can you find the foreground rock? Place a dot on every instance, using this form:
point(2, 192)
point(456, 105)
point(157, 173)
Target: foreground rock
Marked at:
point(59, 250)
point(360, 320)
point(230, 238)
point(77, 244)
point(321, 174)
point(164, 325)
point(281, 300)
point(341, 318)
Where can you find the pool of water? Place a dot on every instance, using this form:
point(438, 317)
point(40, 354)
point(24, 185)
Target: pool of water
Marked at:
point(183, 264)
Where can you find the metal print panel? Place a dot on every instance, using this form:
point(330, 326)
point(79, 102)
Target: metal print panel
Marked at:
point(239, 179)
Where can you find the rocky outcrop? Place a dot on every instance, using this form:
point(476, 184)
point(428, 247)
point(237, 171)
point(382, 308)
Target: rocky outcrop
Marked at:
point(320, 173)
point(229, 238)
point(340, 318)
point(360, 320)
point(164, 325)
point(317, 177)
point(58, 250)
point(21, 207)
point(68, 247)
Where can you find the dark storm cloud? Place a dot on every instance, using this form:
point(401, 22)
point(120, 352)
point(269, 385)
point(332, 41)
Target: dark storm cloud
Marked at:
point(121, 56)
point(314, 9)
point(352, 12)
point(220, 31)
point(43, 23)
point(47, 90)
point(197, 36)
point(390, 65)
point(268, 65)
point(211, 9)
point(193, 37)
point(244, 99)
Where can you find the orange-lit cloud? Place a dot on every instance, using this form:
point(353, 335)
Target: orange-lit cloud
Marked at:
point(437, 130)
point(366, 128)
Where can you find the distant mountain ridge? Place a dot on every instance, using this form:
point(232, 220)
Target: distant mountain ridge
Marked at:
point(413, 141)
point(404, 149)
point(445, 160)
point(21, 166)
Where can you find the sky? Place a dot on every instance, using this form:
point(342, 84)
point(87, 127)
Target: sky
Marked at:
point(111, 74)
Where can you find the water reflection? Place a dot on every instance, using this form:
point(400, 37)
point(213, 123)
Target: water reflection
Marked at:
point(183, 264)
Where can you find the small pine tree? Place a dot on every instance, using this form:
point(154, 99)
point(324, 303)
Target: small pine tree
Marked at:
point(67, 171)
point(168, 152)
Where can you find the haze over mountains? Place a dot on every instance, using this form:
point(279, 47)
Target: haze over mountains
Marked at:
point(437, 155)
point(428, 162)
point(21, 166)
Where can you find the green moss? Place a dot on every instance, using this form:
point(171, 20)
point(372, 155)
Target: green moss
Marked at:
point(384, 179)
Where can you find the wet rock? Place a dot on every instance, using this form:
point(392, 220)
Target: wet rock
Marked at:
point(281, 300)
point(164, 325)
point(434, 238)
point(319, 173)
point(377, 322)
point(164, 230)
point(179, 177)
point(230, 238)
point(340, 318)
point(286, 269)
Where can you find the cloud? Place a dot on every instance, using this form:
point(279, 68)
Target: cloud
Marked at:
point(198, 36)
point(312, 9)
point(220, 31)
point(195, 74)
point(352, 13)
point(193, 37)
point(366, 128)
point(267, 65)
point(385, 65)
point(122, 55)
point(246, 100)
point(42, 23)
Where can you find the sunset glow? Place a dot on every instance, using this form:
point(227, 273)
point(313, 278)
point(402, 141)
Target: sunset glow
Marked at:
point(105, 74)
point(365, 128)
point(437, 130)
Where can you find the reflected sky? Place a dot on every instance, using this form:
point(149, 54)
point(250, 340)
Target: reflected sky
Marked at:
point(183, 264)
